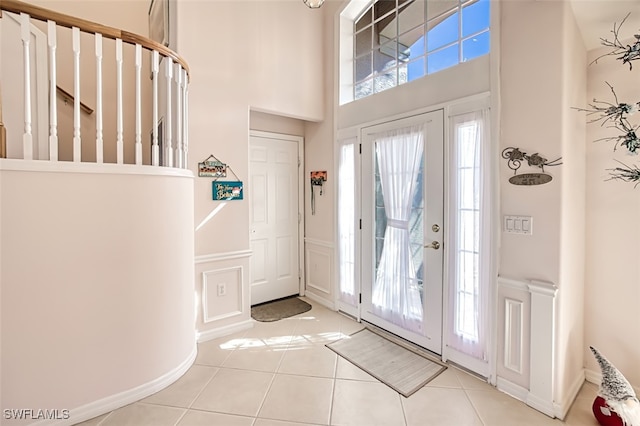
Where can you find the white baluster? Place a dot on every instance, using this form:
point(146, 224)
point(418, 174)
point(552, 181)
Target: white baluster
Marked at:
point(168, 148)
point(77, 142)
point(155, 154)
point(185, 121)
point(27, 137)
point(138, 105)
point(119, 127)
point(53, 106)
point(178, 162)
point(99, 134)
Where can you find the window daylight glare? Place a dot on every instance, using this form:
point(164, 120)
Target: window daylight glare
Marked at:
point(397, 41)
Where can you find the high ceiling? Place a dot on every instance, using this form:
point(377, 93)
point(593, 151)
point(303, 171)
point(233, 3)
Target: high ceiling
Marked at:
point(596, 18)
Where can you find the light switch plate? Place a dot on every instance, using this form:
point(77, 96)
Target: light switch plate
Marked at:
point(518, 225)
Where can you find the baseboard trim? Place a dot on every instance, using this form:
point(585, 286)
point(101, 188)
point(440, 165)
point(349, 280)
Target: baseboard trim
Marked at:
point(561, 409)
point(324, 302)
point(518, 392)
point(113, 402)
point(207, 335)
point(542, 405)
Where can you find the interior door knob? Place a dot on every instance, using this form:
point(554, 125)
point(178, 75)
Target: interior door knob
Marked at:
point(434, 245)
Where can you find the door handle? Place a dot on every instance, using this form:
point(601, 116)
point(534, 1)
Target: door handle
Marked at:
point(434, 245)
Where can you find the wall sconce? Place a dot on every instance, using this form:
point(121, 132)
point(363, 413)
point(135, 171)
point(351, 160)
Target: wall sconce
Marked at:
point(313, 4)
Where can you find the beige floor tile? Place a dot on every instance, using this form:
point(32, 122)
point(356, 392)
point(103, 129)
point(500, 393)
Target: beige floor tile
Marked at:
point(469, 381)
point(580, 414)
point(310, 360)
point(447, 379)
point(184, 391)
point(234, 392)
point(440, 407)
point(94, 421)
point(349, 326)
point(269, 422)
point(298, 399)
point(348, 371)
point(140, 414)
point(498, 409)
point(204, 418)
point(365, 403)
point(215, 352)
point(265, 358)
point(272, 333)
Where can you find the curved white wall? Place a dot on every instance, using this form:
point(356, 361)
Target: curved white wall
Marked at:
point(97, 283)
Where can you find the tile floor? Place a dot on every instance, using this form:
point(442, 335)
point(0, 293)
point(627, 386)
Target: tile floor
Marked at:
point(281, 374)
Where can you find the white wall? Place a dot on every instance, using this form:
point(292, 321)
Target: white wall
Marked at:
point(258, 55)
point(570, 342)
point(612, 293)
point(97, 285)
point(542, 77)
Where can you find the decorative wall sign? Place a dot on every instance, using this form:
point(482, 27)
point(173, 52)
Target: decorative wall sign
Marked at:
point(227, 191)
point(529, 179)
point(318, 178)
point(515, 157)
point(212, 167)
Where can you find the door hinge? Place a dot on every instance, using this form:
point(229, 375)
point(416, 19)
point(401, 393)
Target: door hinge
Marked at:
point(299, 161)
point(360, 149)
point(360, 297)
point(360, 223)
point(299, 217)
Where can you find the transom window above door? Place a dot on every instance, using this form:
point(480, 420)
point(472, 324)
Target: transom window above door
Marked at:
point(397, 41)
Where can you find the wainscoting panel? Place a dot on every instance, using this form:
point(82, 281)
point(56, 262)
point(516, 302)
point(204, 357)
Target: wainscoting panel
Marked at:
point(526, 342)
point(319, 271)
point(222, 293)
point(513, 343)
point(514, 302)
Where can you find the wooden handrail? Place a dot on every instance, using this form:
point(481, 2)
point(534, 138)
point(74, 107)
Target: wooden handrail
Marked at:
point(71, 98)
point(86, 26)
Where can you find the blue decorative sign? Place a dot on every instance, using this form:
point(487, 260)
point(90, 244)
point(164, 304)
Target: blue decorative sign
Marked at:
point(227, 190)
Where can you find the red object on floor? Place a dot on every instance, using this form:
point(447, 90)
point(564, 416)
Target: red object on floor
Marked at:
point(603, 413)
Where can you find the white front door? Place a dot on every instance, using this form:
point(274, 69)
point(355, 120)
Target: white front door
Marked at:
point(274, 209)
point(402, 227)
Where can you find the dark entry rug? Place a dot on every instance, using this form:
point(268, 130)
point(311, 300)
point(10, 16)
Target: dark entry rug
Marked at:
point(279, 309)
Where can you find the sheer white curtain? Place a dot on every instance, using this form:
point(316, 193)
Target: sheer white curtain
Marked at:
point(471, 220)
point(396, 294)
point(346, 222)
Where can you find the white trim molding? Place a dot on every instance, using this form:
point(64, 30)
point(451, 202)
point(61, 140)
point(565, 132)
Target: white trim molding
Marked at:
point(537, 365)
point(543, 335)
point(217, 257)
point(113, 402)
point(224, 331)
point(94, 168)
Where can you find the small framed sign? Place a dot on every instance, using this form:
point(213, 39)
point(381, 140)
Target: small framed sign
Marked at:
point(216, 169)
point(226, 191)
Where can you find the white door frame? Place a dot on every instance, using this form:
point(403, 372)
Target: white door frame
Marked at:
point(299, 140)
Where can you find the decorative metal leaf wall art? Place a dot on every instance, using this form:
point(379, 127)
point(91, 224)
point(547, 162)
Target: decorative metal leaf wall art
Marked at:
point(617, 115)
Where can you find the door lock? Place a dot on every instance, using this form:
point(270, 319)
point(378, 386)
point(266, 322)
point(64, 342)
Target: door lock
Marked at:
point(434, 245)
point(435, 228)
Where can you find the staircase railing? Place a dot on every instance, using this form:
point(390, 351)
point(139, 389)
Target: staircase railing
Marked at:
point(169, 113)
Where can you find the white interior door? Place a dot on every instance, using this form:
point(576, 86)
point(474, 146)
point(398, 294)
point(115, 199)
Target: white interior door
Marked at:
point(402, 227)
point(274, 205)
